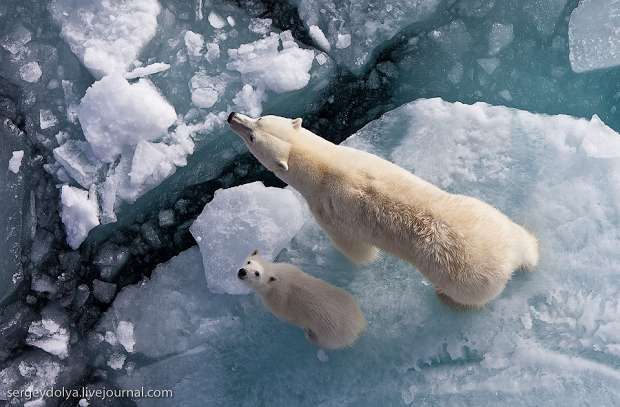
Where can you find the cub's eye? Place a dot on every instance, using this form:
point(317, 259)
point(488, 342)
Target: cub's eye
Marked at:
point(247, 262)
point(256, 273)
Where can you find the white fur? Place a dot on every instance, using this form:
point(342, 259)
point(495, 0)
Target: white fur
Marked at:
point(329, 316)
point(465, 247)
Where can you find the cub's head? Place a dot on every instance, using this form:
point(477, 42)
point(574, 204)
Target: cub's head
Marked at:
point(269, 138)
point(254, 273)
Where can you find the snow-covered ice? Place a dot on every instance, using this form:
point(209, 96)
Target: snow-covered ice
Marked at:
point(78, 159)
point(116, 115)
point(319, 38)
point(594, 35)
point(151, 69)
point(265, 65)
point(30, 72)
point(238, 221)
point(80, 213)
point(107, 36)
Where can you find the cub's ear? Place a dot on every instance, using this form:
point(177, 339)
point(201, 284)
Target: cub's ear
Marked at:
point(272, 279)
point(297, 123)
point(283, 165)
point(254, 253)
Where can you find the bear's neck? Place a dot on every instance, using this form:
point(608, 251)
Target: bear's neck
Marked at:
point(307, 169)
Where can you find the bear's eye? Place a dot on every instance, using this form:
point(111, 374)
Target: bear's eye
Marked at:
point(248, 262)
point(272, 279)
point(256, 273)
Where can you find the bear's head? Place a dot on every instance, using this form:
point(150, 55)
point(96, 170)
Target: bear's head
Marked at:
point(269, 138)
point(254, 273)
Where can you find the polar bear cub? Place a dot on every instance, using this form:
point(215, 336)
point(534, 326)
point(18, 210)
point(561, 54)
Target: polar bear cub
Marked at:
point(466, 248)
point(329, 316)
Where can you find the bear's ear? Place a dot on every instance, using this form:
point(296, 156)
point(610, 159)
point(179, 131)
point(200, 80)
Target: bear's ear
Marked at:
point(283, 165)
point(272, 279)
point(254, 253)
point(297, 123)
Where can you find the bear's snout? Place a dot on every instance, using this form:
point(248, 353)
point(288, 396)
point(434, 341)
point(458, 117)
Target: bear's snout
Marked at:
point(230, 117)
point(242, 273)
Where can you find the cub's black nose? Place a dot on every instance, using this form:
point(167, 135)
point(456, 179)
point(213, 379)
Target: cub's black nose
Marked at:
point(242, 273)
point(230, 116)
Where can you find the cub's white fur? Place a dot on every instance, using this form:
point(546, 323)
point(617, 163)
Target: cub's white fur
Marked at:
point(465, 247)
point(328, 315)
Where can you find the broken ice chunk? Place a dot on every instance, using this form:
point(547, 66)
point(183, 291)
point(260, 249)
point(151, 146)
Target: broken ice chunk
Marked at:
point(106, 36)
point(16, 161)
point(15, 40)
point(147, 70)
point(78, 160)
point(260, 25)
point(594, 35)
point(500, 36)
point(50, 336)
point(80, 213)
point(30, 72)
point(343, 41)
point(206, 90)
point(115, 115)
point(194, 43)
point(47, 119)
point(215, 20)
point(249, 100)
point(213, 52)
point(116, 361)
point(262, 63)
point(239, 220)
point(125, 335)
point(319, 38)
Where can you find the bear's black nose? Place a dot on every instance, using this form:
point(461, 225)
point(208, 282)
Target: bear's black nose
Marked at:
point(242, 273)
point(230, 117)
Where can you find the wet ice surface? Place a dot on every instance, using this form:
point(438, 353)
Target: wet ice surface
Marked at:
point(551, 334)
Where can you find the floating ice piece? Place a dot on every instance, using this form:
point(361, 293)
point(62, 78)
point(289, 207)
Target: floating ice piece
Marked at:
point(116, 115)
point(16, 161)
point(265, 66)
point(194, 43)
point(500, 36)
point(260, 26)
point(216, 21)
point(106, 36)
point(47, 119)
point(594, 35)
point(116, 361)
point(343, 41)
point(147, 70)
point(30, 72)
point(544, 14)
point(453, 38)
point(206, 90)
point(249, 100)
point(50, 336)
point(125, 335)
point(319, 38)
point(80, 213)
point(15, 40)
point(239, 220)
point(213, 51)
point(78, 160)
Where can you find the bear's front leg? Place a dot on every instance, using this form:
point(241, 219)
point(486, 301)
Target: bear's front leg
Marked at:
point(359, 252)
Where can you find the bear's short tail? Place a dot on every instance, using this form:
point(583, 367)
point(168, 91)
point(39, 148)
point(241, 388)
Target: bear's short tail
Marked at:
point(529, 251)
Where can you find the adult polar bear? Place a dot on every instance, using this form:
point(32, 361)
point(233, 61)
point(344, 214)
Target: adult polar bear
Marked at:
point(465, 247)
